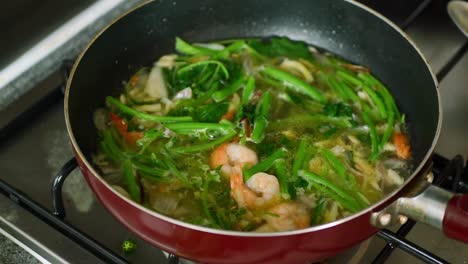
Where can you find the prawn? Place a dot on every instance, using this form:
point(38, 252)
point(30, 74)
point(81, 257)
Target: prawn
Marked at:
point(230, 155)
point(260, 191)
point(285, 217)
point(402, 145)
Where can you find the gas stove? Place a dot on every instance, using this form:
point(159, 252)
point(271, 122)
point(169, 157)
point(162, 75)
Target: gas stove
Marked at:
point(49, 210)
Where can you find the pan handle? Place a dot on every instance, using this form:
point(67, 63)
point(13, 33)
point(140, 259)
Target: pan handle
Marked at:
point(434, 206)
point(455, 221)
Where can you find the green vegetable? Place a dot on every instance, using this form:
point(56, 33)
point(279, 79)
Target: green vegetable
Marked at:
point(331, 189)
point(265, 164)
point(372, 81)
point(110, 147)
point(282, 175)
point(228, 91)
point(373, 134)
point(299, 159)
point(349, 78)
point(335, 163)
point(149, 137)
point(390, 123)
point(281, 47)
point(248, 91)
point(318, 211)
point(376, 100)
point(337, 109)
point(187, 68)
point(190, 128)
point(131, 181)
point(349, 92)
point(204, 146)
point(128, 246)
point(211, 113)
point(294, 83)
point(204, 198)
point(261, 118)
point(140, 115)
point(185, 48)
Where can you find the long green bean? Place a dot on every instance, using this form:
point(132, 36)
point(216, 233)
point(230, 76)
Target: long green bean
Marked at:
point(228, 91)
point(373, 134)
point(144, 116)
point(294, 83)
point(261, 118)
point(376, 100)
point(349, 78)
point(390, 123)
point(282, 175)
point(248, 90)
point(265, 164)
point(110, 147)
point(331, 189)
point(131, 181)
point(204, 146)
point(299, 159)
point(372, 81)
point(183, 47)
point(335, 163)
point(188, 128)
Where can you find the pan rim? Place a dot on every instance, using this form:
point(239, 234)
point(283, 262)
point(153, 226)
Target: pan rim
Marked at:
point(369, 209)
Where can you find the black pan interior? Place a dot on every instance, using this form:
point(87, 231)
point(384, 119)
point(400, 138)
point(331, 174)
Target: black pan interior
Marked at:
point(141, 37)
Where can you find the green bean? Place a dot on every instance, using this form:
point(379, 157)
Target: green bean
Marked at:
point(299, 158)
point(185, 48)
point(173, 169)
point(152, 171)
point(373, 134)
point(332, 83)
point(390, 123)
point(384, 91)
point(144, 116)
point(318, 211)
point(204, 146)
point(204, 202)
point(349, 78)
point(228, 91)
point(294, 83)
point(131, 181)
point(376, 100)
point(349, 92)
point(248, 90)
point(340, 169)
point(265, 164)
point(282, 175)
point(332, 190)
point(261, 118)
point(189, 67)
point(312, 120)
point(258, 131)
point(236, 45)
point(188, 128)
point(335, 163)
point(110, 147)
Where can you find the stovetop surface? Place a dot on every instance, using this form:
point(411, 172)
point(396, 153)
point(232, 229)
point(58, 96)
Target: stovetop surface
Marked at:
point(30, 158)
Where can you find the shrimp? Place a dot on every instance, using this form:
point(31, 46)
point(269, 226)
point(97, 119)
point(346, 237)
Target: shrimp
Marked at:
point(260, 191)
point(285, 217)
point(230, 155)
point(402, 144)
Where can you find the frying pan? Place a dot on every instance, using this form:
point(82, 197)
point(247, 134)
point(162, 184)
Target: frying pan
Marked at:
point(345, 28)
